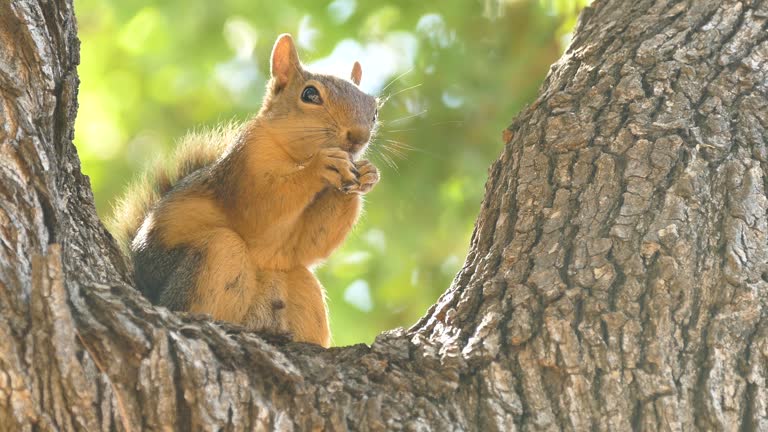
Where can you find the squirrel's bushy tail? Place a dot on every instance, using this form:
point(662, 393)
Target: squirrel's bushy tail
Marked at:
point(196, 150)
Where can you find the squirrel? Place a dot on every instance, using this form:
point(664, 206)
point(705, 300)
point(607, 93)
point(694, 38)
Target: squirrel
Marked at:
point(234, 227)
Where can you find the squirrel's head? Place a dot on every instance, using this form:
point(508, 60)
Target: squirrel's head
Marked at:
point(310, 111)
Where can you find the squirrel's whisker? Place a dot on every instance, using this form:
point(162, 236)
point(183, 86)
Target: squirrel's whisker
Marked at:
point(390, 96)
point(407, 117)
point(335, 121)
point(306, 127)
point(389, 161)
point(394, 80)
point(400, 144)
point(397, 152)
point(409, 148)
point(456, 122)
point(309, 132)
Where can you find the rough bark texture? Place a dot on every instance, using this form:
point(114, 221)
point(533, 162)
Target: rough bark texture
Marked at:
point(617, 277)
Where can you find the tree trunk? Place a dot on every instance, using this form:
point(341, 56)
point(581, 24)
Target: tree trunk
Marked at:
point(617, 277)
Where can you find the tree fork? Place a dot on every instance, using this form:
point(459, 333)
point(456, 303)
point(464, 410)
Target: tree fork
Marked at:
point(617, 276)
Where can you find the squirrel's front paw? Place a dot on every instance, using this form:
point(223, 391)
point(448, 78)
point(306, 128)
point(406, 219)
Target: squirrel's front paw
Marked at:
point(337, 168)
point(368, 177)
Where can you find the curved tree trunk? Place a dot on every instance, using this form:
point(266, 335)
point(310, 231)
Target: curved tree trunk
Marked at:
point(617, 277)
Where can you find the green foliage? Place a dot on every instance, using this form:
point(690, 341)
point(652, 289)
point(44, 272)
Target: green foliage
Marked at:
point(566, 9)
point(152, 69)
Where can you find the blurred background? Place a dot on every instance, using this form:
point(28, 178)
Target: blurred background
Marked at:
point(455, 72)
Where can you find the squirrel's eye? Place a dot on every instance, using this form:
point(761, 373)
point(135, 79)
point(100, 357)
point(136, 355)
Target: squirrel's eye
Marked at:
point(311, 95)
point(375, 115)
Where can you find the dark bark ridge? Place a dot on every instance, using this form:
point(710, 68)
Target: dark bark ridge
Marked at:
point(617, 276)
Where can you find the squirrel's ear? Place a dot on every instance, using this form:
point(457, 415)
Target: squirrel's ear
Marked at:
point(357, 73)
point(284, 61)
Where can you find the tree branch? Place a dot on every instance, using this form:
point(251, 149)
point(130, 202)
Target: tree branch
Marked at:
point(616, 277)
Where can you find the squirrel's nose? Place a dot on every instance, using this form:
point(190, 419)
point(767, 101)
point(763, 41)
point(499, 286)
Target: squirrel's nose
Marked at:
point(358, 136)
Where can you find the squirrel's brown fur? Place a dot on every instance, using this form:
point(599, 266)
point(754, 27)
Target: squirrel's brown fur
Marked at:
point(233, 227)
point(194, 151)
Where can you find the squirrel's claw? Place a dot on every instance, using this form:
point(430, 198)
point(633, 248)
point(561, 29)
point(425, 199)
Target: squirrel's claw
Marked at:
point(350, 187)
point(367, 177)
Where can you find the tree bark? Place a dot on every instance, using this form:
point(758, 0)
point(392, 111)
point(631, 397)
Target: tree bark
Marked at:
point(617, 277)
